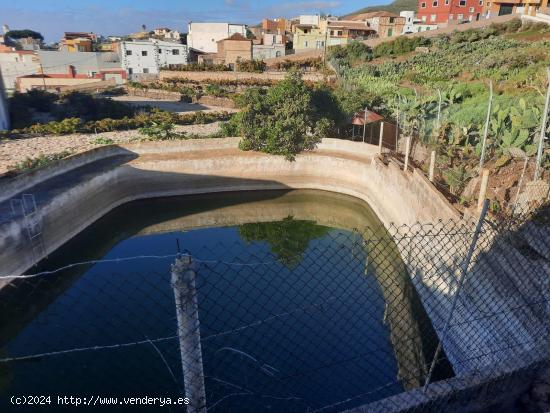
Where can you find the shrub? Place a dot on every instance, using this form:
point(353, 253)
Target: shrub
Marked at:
point(400, 45)
point(63, 127)
point(198, 67)
point(160, 131)
point(103, 141)
point(215, 90)
point(256, 66)
point(29, 164)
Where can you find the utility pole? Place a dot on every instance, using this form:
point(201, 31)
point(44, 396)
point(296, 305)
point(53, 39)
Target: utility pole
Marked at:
point(326, 46)
point(43, 78)
point(542, 130)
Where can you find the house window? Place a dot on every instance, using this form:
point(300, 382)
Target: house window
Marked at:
point(423, 5)
point(128, 53)
point(145, 70)
point(451, 16)
point(446, 2)
point(390, 32)
point(175, 52)
point(130, 71)
point(481, 2)
point(462, 3)
point(433, 17)
point(434, 4)
point(160, 51)
point(460, 17)
point(340, 32)
point(392, 20)
point(144, 52)
point(423, 18)
point(305, 43)
point(471, 10)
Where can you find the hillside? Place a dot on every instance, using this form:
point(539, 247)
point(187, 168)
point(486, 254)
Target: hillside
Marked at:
point(394, 7)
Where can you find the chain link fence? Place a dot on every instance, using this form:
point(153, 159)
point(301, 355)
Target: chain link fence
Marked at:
point(430, 317)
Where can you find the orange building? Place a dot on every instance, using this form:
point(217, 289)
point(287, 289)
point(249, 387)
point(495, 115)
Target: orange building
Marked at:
point(277, 26)
point(500, 8)
point(77, 42)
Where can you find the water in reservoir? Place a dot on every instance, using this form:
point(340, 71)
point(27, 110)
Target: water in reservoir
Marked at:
point(294, 311)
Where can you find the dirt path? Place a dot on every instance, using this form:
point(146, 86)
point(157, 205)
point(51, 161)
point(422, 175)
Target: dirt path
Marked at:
point(170, 105)
point(16, 150)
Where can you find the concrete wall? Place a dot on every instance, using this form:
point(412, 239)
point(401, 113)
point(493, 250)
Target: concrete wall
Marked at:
point(206, 166)
point(25, 84)
point(204, 36)
point(235, 76)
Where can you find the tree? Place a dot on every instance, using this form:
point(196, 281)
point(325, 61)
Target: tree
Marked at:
point(22, 34)
point(282, 120)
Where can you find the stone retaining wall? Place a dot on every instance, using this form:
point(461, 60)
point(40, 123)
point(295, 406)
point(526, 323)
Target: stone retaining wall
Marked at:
point(235, 76)
point(154, 94)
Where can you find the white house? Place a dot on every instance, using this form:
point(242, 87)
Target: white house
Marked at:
point(168, 34)
point(15, 63)
point(204, 36)
point(409, 21)
point(149, 56)
point(414, 25)
point(311, 20)
point(272, 46)
point(4, 114)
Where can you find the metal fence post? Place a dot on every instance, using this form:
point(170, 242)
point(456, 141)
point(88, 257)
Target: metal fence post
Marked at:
point(542, 130)
point(187, 312)
point(463, 273)
point(432, 167)
point(486, 129)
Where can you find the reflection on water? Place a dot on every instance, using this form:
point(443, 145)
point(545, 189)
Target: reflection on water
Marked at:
point(288, 239)
point(283, 308)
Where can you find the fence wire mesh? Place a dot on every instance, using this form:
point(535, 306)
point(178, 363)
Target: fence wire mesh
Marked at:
point(322, 324)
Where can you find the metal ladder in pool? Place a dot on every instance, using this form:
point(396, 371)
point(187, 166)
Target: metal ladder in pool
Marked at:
point(26, 207)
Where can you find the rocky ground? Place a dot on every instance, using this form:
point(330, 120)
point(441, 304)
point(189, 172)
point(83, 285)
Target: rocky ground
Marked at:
point(13, 151)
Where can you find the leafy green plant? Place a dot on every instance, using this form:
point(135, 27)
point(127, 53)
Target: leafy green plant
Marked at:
point(103, 141)
point(162, 131)
point(40, 161)
point(456, 177)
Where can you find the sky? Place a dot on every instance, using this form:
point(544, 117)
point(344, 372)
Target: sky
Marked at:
point(115, 17)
